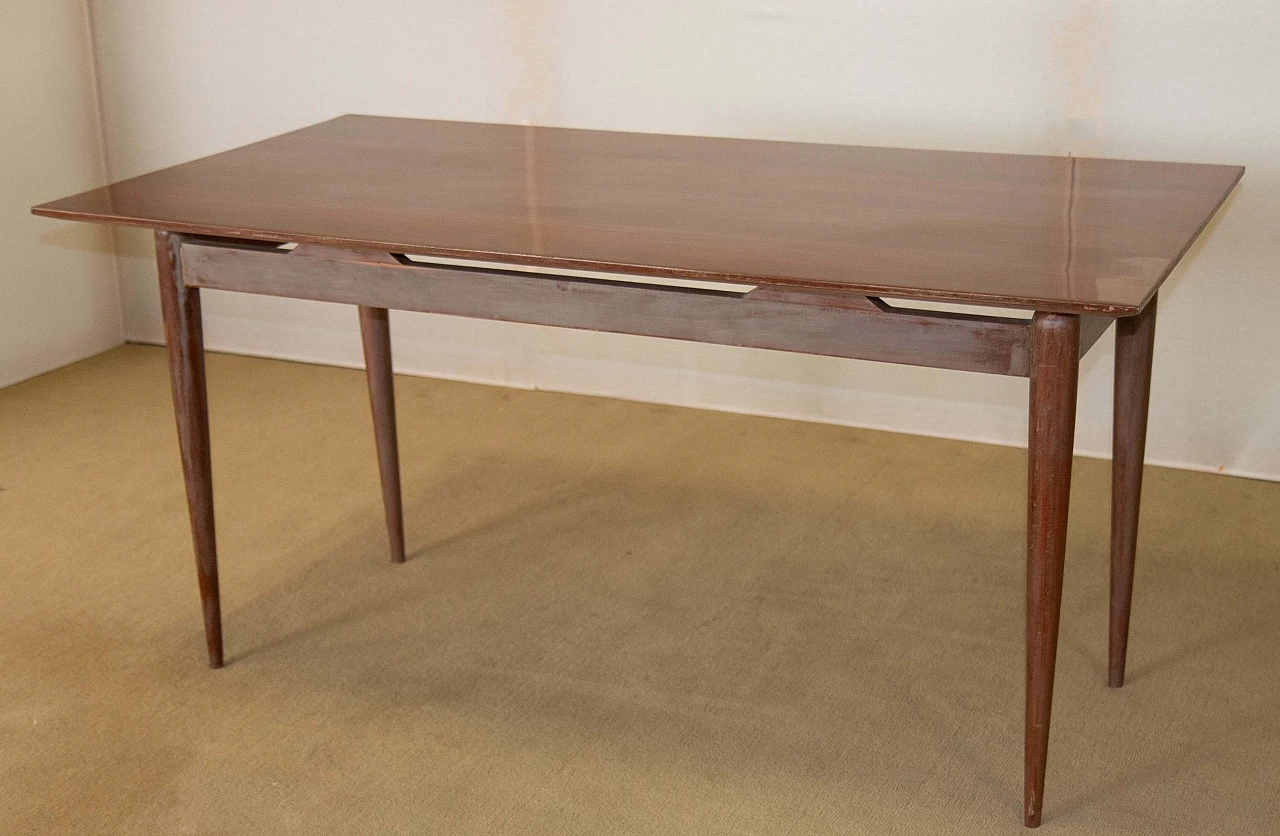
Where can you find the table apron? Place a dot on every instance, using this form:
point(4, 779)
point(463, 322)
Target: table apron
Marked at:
point(784, 320)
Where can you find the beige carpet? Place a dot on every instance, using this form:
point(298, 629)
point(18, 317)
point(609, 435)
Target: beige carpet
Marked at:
point(616, 619)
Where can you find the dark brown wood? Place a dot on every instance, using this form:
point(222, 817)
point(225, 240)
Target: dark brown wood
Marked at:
point(1135, 341)
point(786, 320)
point(184, 338)
point(829, 299)
point(1046, 233)
point(815, 233)
point(1055, 363)
point(375, 333)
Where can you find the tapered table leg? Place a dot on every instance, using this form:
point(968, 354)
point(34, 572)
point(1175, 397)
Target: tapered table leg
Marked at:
point(375, 332)
point(1051, 433)
point(185, 340)
point(1135, 340)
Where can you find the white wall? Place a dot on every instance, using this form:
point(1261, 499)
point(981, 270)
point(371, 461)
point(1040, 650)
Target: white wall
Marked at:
point(59, 298)
point(1178, 80)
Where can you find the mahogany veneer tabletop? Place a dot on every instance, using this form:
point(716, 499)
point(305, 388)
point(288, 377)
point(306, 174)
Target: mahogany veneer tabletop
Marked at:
point(1046, 233)
point(810, 236)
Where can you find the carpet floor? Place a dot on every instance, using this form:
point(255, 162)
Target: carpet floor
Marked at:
point(616, 618)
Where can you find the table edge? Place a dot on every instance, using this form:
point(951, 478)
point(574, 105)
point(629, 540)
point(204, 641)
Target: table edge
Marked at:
point(51, 210)
point(871, 289)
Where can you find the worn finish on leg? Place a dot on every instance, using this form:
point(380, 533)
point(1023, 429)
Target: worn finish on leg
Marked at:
point(185, 340)
point(375, 332)
point(1051, 433)
point(1135, 339)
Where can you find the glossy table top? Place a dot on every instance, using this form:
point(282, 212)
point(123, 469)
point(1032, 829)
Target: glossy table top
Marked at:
point(1053, 233)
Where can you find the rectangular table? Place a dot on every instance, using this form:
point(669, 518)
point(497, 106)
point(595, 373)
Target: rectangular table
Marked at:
point(779, 245)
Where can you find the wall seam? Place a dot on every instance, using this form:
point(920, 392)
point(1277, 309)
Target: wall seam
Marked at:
point(104, 158)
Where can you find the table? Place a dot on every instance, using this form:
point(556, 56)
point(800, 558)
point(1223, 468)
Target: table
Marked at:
point(786, 246)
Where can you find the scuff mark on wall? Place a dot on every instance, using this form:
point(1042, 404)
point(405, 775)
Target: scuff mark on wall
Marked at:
point(1079, 37)
point(529, 101)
